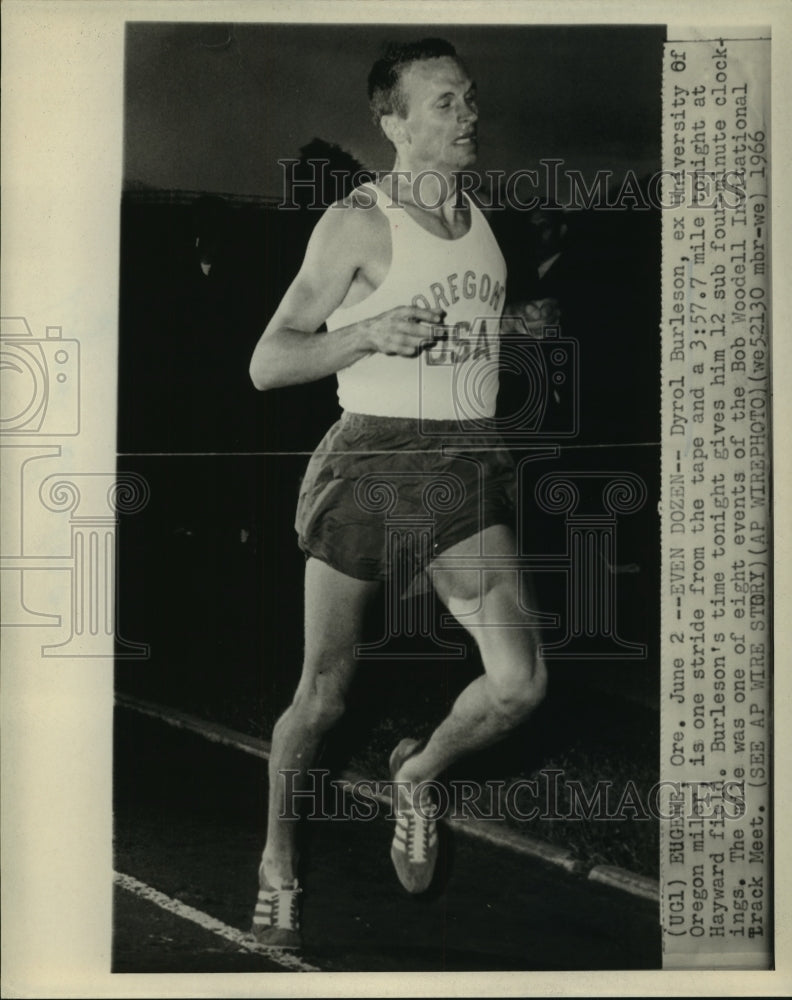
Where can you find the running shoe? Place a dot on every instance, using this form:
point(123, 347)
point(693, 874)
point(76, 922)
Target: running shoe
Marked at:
point(276, 919)
point(414, 845)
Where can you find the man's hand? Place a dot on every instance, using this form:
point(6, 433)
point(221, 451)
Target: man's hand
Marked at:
point(404, 331)
point(531, 317)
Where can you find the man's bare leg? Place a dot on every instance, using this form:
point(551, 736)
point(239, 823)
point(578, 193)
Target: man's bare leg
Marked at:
point(514, 679)
point(334, 610)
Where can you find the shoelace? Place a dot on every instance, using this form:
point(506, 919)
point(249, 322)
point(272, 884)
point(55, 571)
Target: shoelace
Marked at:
point(418, 838)
point(419, 826)
point(271, 898)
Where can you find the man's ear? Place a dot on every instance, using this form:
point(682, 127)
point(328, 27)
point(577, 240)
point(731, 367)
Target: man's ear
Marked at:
point(395, 128)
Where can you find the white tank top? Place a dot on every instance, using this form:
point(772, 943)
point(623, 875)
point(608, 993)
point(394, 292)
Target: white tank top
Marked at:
point(457, 379)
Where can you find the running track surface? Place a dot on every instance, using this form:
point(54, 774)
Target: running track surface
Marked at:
point(189, 822)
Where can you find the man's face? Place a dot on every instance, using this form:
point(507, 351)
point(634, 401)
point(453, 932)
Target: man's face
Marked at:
point(440, 126)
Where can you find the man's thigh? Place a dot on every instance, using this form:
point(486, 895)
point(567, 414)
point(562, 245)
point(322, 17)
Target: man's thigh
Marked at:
point(335, 611)
point(477, 588)
point(469, 569)
point(495, 605)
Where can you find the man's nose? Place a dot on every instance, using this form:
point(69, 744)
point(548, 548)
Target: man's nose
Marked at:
point(468, 113)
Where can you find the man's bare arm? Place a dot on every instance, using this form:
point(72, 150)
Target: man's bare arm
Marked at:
point(290, 351)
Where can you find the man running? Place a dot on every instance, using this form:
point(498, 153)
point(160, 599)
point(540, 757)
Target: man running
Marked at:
point(410, 283)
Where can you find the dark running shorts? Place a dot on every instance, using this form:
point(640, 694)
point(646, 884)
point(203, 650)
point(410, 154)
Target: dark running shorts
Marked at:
point(381, 497)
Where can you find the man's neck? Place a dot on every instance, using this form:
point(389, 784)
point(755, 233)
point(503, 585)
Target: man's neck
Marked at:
point(430, 189)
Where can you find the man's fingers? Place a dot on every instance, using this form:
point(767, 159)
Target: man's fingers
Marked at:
point(419, 331)
point(410, 347)
point(408, 330)
point(419, 315)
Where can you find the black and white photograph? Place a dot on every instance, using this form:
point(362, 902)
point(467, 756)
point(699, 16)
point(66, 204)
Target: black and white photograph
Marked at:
point(400, 552)
point(415, 613)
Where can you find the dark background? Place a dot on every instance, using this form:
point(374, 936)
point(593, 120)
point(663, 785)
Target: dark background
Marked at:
point(213, 107)
point(210, 575)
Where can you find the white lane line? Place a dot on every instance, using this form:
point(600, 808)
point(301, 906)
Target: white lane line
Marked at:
point(285, 959)
point(492, 832)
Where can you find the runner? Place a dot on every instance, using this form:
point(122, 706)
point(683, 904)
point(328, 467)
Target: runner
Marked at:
point(410, 283)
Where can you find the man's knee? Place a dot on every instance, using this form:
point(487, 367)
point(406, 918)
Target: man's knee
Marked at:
point(519, 691)
point(318, 711)
point(320, 700)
